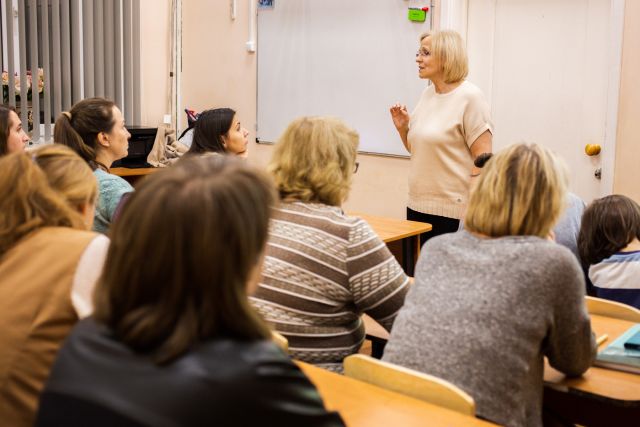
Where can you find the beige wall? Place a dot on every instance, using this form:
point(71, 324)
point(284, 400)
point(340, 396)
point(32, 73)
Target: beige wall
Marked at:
point(627, 173)
point(217, 71)
point(155, 45)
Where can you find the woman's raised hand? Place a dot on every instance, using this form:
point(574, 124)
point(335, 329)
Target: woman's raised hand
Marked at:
point(400, 116)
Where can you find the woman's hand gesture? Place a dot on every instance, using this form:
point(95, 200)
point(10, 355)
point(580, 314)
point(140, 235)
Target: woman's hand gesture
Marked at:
point(400, 117)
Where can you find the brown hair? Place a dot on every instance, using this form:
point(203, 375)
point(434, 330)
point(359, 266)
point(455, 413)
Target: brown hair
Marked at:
point(79, 127)
point(314, 160)
point(181, 257)
point(28, 202)
point(608, 225)
point(67, 173)
point(522, 191)
point(5, 127)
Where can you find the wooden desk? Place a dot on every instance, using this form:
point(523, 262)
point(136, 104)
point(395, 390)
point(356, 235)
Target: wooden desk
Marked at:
point(391, 230)
point(133, 174)
point(362, 404)
point(600, 397)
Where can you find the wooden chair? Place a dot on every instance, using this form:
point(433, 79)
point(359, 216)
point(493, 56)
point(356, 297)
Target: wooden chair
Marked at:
point(409, 382)
point(280, 341)
point(603, 307)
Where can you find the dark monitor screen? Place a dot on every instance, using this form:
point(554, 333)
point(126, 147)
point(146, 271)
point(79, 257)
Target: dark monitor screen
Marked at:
point(140, 145)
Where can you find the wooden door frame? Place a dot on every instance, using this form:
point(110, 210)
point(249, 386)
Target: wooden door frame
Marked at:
point(453, 14)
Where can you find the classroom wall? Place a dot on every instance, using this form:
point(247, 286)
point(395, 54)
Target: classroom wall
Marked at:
point(626, 178)
point(217, 71)
point(155, 45)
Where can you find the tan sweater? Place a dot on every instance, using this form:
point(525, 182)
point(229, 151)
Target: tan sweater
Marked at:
point(36, 315)
point(441, 131)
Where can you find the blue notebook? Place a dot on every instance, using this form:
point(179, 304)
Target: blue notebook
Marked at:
point(615, 356)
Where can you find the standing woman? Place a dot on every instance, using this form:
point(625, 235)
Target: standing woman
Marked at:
point(94, 128)
point(449, 128)
point(13, 138)
point(219, 131)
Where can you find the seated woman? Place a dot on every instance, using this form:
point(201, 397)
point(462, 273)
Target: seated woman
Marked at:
point(174, 340)
point(49, 264)
point(12, 136)
point(609, 244)
point(94, 128)
point(323, 268)
point(218, 131)
point(491, 301)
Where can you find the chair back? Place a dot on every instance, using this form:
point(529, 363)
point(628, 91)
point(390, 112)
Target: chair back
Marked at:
point(604, 307)
point(409, 382)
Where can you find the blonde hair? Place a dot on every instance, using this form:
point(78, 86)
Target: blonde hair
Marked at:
point(448, 48)
point(314, 160)
point(522, 191)
point(29, 202)
point(67, 173)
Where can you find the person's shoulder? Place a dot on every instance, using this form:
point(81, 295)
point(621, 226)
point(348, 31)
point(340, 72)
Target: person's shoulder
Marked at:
point(110, 180)
point(471, 92)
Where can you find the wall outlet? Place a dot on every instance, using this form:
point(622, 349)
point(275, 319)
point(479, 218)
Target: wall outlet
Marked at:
point(167, 119)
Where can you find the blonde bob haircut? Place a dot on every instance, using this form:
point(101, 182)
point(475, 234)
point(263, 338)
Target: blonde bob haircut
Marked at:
point(521, 192)
point(448, 48)
point(314, 160)
point(68, 174)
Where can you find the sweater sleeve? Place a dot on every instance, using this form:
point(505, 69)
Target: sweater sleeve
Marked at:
point(477, 118)
point(376, 280)
point(571, 345)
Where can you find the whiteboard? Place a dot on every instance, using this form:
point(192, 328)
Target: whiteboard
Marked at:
point(351, 59)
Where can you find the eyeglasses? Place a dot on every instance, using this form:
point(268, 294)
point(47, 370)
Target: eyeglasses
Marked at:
point(355, 169)
point(422, 53)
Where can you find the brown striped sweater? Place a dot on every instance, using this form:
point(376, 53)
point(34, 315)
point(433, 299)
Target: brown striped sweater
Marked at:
point(322, 270)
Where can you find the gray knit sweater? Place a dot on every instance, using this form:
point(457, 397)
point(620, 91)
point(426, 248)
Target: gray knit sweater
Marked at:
point(484, 312)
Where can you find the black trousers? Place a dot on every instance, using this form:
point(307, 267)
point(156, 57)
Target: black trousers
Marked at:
point(440, 224)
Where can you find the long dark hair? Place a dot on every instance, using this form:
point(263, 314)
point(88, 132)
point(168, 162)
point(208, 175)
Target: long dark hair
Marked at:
point(181, 257)
point(208, 131)
point(5, 128)
point(608, 225)
point(79, 127)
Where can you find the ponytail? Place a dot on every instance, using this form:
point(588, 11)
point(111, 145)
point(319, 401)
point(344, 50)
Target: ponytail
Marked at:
point(65, 134)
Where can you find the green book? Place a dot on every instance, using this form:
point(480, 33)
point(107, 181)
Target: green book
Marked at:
point(615, 356)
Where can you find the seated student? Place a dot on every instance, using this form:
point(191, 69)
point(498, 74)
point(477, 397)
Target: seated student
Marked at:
point(174, 340)
point(490, 302)
point(323, 268)
point(12, 136)
point(94, 128)
point(609, 243)
point(49, 264)
point(219, 131)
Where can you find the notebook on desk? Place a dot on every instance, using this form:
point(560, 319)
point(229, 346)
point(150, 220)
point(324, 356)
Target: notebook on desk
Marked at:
point(616, 356)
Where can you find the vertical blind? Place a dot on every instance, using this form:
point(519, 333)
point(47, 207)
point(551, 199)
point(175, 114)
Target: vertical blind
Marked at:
point(80, 48)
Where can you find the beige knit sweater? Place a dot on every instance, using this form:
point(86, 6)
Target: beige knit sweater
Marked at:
point(441, 131)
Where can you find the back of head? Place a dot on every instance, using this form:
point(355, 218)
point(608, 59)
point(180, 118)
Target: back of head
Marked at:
point(68, 174)
point(608, 225)
point(181, 257)
point(29, 202)
point(449, 48)
point(5, 126)
point(522, 191)
point(79, 127)
point(209, 129)
point(314, 160)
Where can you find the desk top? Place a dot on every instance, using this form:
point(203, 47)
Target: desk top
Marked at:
point(362, 404)
point(391, 229)
point(133, 171)
point(605, 383)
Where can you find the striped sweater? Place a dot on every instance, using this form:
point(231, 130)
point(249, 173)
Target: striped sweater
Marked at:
point(617, 278)
point(322, 270)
